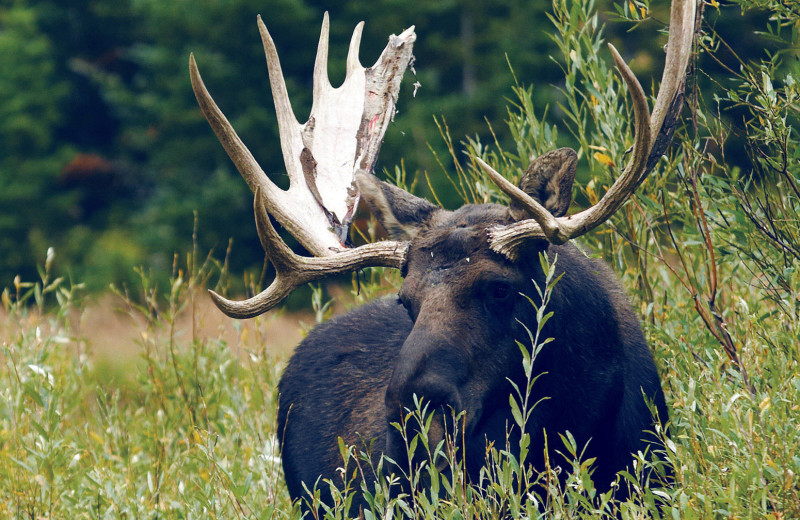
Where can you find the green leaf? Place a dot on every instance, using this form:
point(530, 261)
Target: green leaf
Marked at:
point(515, 411)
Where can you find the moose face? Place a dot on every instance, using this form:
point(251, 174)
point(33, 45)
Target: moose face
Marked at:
point(462, 298)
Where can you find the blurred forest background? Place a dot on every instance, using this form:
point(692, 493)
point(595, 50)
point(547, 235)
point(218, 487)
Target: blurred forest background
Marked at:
point(105, 157)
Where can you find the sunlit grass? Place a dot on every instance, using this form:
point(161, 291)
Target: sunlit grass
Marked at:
point(186, 429)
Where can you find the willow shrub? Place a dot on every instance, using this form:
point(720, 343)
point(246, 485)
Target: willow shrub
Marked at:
point(708, 249)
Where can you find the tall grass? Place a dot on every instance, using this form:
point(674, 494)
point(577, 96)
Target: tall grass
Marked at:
point(187, 429)
point(184, 431)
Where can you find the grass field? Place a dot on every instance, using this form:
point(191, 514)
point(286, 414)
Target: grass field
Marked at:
point(182, 424)
point(150, 405)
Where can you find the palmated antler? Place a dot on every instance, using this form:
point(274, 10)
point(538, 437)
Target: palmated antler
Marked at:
point(341, 137)
point(652, 135)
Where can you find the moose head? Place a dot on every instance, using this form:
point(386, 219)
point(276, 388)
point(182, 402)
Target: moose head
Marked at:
point(450, 335)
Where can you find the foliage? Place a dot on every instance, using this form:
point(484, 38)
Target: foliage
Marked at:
point(104, 139)
point(707, 248)
point(31, 154)
point(188, 430)
point(766, 94)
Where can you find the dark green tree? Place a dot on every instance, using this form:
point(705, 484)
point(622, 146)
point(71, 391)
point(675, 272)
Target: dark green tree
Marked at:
point(31, 155)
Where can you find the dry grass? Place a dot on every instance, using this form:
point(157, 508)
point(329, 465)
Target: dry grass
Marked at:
point(110, 330)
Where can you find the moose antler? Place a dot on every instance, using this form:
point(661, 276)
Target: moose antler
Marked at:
point(292, 270)
point(652, 135)
point(342, 136)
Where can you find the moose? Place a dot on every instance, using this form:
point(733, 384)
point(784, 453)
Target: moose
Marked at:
point(450, 336)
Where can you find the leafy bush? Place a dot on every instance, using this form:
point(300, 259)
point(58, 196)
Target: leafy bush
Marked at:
point(707, 248)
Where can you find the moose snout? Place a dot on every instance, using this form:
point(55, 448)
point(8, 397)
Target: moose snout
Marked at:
point(438, 403)
point(426, 378)
point(428, 372)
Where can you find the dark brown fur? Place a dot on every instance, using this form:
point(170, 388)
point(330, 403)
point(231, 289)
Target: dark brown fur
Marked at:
point(449, 337)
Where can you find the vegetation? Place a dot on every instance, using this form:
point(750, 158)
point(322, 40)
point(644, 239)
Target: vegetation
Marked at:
point(106, 155)
point(708, 250)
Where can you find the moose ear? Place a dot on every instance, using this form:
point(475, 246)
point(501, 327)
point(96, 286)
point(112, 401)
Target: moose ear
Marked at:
point(402, 214)
point(549, 180)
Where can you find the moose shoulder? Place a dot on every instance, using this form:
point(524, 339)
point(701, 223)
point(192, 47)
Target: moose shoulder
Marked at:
point(450, 336)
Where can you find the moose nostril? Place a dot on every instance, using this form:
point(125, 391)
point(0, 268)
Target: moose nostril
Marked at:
point(427, 398)
point(444, 401)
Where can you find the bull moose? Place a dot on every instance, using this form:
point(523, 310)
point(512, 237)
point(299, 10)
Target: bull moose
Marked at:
point(449, 336)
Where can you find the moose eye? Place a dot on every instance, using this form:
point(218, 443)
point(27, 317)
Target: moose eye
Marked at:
point(500, 291)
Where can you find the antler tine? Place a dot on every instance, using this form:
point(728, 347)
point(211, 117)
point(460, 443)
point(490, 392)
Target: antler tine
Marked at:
point(626, 183)
point(239, 153)
point(545, 219)
point(292, 270)
point(679, 49)
point(353, 63)
point(642, 138)
point(287, 122)
point(281, 256)
point(321, 80)
point(280, 95)
point(558, 231)
point(283, 261)
point(507, 239)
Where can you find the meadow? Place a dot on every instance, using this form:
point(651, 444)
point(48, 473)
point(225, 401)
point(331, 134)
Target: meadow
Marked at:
point(143, 402)
point(186, 427)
